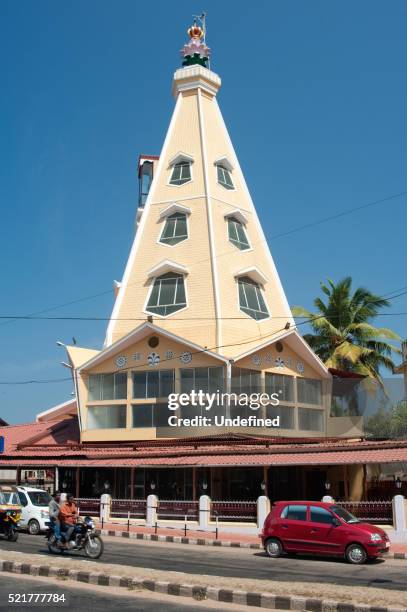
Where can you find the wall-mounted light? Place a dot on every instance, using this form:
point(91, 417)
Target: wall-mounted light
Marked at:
point(263, 486)
point(152, 486)
point(204, 485)
point(398, 482)
point(327, 485)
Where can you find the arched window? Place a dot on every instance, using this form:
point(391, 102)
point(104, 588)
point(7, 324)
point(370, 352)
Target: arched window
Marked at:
point(237, 234)
point(251, 300)
point(175, 229)
point(167, 294)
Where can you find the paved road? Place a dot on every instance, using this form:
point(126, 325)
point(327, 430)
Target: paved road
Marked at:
point(240, 563)
point(87, 598)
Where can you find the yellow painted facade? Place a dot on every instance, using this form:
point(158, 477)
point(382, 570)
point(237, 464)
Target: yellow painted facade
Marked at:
point(211, 329)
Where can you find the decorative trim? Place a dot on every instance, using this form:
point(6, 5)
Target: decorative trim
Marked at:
point(237, 214)
point(225, 163)
point(253, 273)
point(173, 208)
point(179, 158)
point(166, 266)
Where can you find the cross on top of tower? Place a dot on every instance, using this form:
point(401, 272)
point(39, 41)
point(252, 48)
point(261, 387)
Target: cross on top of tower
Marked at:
point(196, 51)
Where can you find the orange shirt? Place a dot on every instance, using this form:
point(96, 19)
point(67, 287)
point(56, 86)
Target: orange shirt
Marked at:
point(68, 513)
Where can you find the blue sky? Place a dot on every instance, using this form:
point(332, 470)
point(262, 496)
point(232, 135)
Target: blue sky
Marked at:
point(314, 96)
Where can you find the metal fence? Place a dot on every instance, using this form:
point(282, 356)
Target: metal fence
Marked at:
point(171, 509)
point(128, 508)
point(238, 511)
point(371, 511)
point(88, 505)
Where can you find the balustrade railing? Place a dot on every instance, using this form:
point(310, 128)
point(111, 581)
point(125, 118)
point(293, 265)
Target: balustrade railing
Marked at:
point(238, 511)
point(371, 511)
point(171, 509)
point(128, 508)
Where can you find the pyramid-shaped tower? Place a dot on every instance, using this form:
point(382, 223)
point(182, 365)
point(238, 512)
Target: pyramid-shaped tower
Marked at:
point(200, 305)
point(199, 225)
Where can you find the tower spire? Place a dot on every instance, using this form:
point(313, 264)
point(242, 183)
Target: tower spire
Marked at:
point(196, 51)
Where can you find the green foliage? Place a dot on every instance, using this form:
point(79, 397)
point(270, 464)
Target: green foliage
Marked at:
point(388, 424)
point(343, 335)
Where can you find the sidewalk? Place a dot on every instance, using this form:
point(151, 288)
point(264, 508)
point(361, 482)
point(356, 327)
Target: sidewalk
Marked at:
point(203, 537)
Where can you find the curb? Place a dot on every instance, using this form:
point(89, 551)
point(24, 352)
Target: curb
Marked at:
point(197, 592)
point(131, 535)
point(177, 539)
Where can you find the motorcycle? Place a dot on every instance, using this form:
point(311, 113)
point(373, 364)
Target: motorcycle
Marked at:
point(83, 538)
point(10, 512)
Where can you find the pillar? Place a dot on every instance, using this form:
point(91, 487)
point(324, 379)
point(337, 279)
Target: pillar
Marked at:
point(204, 511)
point(105, 504)
point(356, 478)
point(399, 513)
point(152, 503)
point(263, 509)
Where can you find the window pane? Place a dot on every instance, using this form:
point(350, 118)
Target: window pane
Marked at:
point(142, 415)
point(94, 387)
point(201, 379)
point(120, 385)
point(108, 387)
point(166, 382)
point(106, 417)
point(309, 391)
point(160, 415)
point(285, 413)
point(281, 384)
point(139, 385)
point(181, 226)
point(153, 301)
point(169, 228)
point(167, 294)
point(187, 380)
point(251, 299)
point(295, 513)
point(181, 173)
point(215, 379)
point(320, 515)
point(310, 420)
point(152, 384)
point(180, 295)
point(232, 230)
point(224, 177)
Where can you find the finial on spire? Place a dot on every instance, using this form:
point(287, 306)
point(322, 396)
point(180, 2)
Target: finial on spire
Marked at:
point(196, 50)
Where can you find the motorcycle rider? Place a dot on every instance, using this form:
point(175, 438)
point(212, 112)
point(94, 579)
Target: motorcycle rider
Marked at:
point(54, 510)
point(68, 514)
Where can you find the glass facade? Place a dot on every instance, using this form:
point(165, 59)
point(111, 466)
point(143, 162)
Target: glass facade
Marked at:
point(107, 387)
point(107, 417)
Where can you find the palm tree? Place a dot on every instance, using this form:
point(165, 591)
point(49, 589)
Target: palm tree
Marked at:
point(343, 335)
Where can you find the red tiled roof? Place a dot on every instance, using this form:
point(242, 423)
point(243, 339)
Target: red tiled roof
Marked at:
point(58, 442)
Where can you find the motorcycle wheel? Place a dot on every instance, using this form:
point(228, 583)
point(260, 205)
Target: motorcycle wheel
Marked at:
point(12, 535)
point(53, 546)
point(93, 547)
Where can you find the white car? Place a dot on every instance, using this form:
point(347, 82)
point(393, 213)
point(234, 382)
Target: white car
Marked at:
point(35, 514)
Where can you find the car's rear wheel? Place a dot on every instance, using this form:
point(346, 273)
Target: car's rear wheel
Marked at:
point(34, 527)
point(356, 554)
point(273, 548)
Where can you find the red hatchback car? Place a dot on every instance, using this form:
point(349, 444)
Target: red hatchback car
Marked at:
point(322, 529)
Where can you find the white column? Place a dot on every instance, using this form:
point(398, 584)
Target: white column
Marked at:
point(399, 513)
point(204, 511)
point(105, 503)
point(152, 503)
point(263, 508)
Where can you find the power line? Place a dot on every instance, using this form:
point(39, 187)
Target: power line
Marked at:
point(286, 233)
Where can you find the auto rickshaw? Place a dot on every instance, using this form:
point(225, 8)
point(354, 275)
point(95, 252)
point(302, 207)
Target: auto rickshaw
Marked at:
point(10, 512)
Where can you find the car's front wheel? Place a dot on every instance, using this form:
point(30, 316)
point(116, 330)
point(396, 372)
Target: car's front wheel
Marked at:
point(34, 527)
point(356, 554)
point(273, 548)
